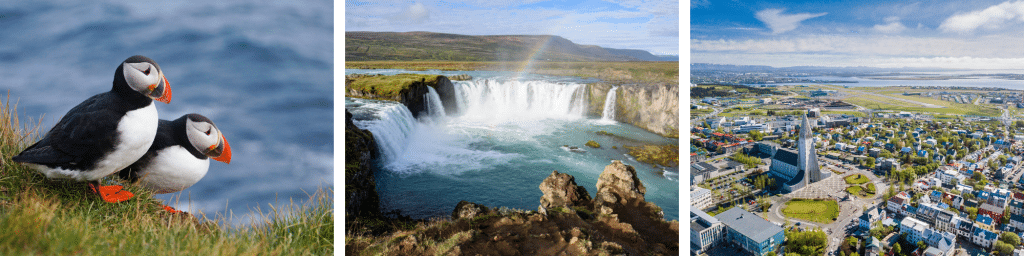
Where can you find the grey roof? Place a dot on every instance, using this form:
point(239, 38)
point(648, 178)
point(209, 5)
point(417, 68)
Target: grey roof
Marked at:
point(749, 224)
point(787, 156)
point(703, 167)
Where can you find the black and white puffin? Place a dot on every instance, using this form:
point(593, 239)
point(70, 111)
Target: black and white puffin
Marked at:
point(179, 156)
point(106, 132)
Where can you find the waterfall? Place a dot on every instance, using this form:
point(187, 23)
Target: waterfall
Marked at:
point(434, 107)
point(391, 128)
point(609, 106)
point(505, 100)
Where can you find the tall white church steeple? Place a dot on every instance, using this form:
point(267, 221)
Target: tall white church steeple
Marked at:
point(807, 159)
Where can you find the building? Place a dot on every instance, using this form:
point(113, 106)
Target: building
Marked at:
point(1017, 222)
point(914, 229)
point(984, 238)
point(751, 232)
point(705, 231)
point(699, 172)
point(897, 202)
point(943, 242)
point(965, 229)
point(700, 198)
point(872, 215)
point(926, 212)
point(795, 170)
point(945, 221)
point(992, 210)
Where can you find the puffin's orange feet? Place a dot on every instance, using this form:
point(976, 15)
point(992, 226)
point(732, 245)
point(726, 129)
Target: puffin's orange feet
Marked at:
point(112, 194)
point(171, 209)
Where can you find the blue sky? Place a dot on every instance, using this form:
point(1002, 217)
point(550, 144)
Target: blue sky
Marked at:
point(979, 34)
point(651, 25)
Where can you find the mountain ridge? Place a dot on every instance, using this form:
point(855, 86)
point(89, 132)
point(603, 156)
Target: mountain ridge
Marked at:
point(421, 45)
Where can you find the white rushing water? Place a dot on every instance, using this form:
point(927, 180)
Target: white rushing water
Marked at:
point(609, 106)
point(391, 128)
point(499, 101)
point(434, 106)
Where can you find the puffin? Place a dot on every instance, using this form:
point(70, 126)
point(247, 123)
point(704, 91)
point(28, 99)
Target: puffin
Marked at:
point(105, 133)
point(180, 155)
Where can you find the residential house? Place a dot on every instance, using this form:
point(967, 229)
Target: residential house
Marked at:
point(914, 229)
point(872, 215)
point(984, 238)
point(995, 211)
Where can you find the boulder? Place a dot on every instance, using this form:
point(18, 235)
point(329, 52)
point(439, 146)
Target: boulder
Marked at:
point(617, 186)
point(467, 209)
point(560, 190)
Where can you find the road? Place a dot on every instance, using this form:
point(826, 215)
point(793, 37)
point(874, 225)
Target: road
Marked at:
point(849, 212)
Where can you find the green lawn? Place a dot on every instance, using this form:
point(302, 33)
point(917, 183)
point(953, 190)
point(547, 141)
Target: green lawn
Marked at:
point(861, 191)
point(856, 179)
point(821, 211)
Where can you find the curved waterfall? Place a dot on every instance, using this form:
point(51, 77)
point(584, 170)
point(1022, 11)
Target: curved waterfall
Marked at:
point(504, 100)
point(609, 106)
point(434, 106)
point(391, 128)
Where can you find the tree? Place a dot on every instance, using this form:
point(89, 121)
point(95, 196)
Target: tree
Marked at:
point(1010, 238)
point(1003, 248)
point(870, 162)
point(896, 248)
point(972, 212)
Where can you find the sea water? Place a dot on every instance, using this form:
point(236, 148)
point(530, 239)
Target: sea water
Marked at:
point(508, 135)
point(262, 71)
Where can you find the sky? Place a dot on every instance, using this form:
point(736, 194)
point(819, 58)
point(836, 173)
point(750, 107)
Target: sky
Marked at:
point(957, 34)
point(651, 25)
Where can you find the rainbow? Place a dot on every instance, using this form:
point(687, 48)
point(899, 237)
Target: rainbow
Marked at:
point(527, 65)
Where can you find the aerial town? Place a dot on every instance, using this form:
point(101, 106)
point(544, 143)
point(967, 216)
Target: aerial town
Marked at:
point(839, 170)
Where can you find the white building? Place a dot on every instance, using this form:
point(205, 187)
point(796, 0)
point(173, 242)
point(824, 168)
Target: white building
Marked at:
point(913, 228)
point(700, 198)
point(705, 231)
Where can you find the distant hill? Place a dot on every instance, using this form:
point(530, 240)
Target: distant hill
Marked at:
point(362, 46)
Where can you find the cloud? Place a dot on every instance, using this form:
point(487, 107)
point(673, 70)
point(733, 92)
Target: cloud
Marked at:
point(699, 3)
point(894, 26)
point(780, 23)
point(993, 46)
point(416, 13)
point(991, 18)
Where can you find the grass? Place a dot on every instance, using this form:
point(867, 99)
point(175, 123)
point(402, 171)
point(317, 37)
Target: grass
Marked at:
point(821, 211)
point(612, 71)
point(387, 86)
point(856, 179)
point(949, 108)
point(54, 217)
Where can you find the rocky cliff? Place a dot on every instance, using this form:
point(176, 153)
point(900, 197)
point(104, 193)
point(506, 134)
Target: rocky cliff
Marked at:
point(409, 89)
point(652, 107)
point(360, 187)
point(568, 222)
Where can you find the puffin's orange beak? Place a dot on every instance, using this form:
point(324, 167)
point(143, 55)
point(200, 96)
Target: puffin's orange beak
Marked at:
point(225, 156)
point(165, 97)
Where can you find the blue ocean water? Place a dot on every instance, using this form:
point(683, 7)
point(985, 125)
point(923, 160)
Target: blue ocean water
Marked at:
point(506, 137)
point(261, 70)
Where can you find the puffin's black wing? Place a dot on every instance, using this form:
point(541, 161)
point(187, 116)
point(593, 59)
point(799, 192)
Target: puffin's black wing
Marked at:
point(83, 136)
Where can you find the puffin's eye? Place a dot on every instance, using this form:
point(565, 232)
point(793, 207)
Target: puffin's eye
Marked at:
point(146, 72)
point(208, 131)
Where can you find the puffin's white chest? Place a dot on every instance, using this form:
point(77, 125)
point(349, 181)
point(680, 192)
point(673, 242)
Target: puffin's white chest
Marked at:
point(135, 133)
point(172, 170)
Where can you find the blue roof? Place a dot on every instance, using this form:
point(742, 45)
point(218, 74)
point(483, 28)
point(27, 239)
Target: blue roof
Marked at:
point(984, 219)
point(989, 235)
point(936, 193)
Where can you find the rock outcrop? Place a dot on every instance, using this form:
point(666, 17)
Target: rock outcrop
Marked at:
point(652, 107)
point(467, 209)
point(560, 190)
point(569, 228)
point(361, 197)
point(409, 89)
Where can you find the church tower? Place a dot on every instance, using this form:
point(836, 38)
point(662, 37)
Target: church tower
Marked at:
point(807, 159)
